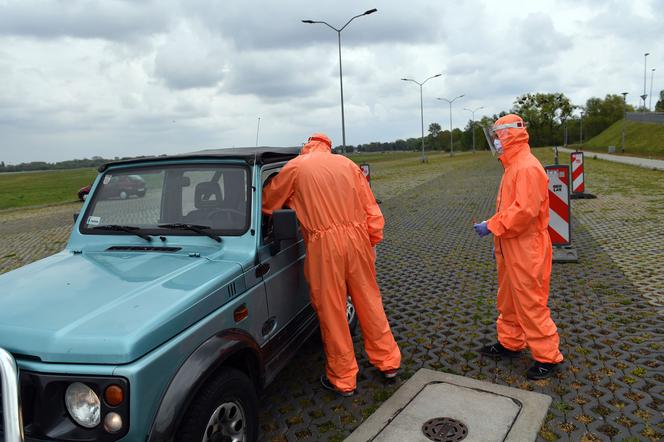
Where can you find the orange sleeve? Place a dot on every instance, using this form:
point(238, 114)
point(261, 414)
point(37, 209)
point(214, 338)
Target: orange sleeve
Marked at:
point(375, 220)
point(530, 195)
point(280, 190)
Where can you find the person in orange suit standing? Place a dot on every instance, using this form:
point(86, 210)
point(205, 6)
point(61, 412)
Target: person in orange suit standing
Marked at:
point(522, 251)
point(341, 224)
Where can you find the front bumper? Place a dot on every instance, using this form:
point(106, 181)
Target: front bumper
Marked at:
point(11, 424)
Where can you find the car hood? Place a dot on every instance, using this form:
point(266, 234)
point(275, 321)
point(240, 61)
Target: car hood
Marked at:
point(107, 307)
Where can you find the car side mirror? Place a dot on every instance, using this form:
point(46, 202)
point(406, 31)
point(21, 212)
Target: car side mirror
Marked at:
point(285, 228)
point(76, 216)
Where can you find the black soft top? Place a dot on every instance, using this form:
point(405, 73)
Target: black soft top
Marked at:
point(258, 155)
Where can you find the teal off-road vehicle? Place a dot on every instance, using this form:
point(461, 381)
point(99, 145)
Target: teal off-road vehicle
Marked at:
point(165, 314)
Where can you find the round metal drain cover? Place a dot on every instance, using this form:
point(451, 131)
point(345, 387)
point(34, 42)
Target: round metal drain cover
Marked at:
point(445, 429)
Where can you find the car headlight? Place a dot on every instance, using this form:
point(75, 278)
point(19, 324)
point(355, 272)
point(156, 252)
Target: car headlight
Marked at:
point(83, 405)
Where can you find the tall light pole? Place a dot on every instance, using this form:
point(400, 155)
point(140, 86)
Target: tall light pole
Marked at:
point(341, 81)
point(645, 63)
point(581, 127)
point(472, 124)
point(423, 158)
point(451, 138)
point(652, 74)
point(624, 94)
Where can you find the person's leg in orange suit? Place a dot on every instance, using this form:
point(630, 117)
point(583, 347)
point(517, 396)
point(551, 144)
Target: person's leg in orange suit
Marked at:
point(510, 333)
point(379, 343)
point(530, 291)
point(325, 270)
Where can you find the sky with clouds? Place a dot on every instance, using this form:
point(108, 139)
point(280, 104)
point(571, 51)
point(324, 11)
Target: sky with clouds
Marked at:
point(142, 77)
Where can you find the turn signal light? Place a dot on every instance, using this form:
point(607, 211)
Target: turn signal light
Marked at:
point(240, 313)
point(114, 395)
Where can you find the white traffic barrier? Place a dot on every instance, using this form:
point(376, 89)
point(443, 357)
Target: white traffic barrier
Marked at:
point(366, 171)
point(560, 213)
point(578, 184)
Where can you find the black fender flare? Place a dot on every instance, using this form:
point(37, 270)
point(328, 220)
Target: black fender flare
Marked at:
point(194, 372)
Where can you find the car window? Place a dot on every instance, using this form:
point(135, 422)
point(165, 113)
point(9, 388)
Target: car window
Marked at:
point(208, 195)
point(266, 222)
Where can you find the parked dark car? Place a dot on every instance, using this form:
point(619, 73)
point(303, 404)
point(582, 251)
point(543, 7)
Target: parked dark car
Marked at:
point(83, 192)
point(118, 186)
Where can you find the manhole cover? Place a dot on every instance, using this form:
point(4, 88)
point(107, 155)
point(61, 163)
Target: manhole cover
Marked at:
point(445, 429)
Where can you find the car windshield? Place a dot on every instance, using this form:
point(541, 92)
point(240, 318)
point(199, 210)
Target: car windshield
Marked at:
point(206, 196)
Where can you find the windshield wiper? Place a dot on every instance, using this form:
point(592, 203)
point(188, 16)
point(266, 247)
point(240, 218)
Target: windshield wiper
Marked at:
point(203, 230)
point(129, 229)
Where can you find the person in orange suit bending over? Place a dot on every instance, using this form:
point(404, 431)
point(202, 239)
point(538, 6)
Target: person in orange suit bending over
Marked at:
point(341, 224)
point(523, 252)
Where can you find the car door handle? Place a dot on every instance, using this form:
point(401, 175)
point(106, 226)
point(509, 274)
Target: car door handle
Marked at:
point(262, 269)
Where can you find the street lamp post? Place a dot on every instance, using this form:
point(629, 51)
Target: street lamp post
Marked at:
point(341, 82)
point(624, 94)
point(652, 74)
point(450, 103)
point(645, 64)
point(581, 128)
point(423, 158)
point(472, 124)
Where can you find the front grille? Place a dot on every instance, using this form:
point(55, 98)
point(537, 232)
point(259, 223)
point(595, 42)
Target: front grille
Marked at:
point(27, 405)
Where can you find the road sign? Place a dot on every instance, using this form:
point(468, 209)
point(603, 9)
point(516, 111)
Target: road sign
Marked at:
point(559, 205)
point(578, 183)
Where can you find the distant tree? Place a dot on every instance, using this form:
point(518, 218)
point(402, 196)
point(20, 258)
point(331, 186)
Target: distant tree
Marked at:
point(659, 106)
point(600, 114)
point(544, 114)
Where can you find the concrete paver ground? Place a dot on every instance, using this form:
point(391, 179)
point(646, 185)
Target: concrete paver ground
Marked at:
point(438, 282)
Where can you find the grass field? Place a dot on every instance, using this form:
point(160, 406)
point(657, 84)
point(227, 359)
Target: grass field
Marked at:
point(24, 189)
point(641, 139)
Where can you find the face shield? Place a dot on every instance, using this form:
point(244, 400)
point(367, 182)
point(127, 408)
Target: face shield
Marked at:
point(495, 133)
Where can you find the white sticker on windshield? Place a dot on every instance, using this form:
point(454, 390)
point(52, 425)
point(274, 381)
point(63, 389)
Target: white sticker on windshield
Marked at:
point(107, 179)
point(94, 220)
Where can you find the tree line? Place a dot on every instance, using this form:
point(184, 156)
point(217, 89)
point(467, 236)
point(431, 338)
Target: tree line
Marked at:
point(552, 119)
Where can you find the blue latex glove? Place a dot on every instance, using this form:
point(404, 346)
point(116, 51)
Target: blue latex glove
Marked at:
point(481, 229)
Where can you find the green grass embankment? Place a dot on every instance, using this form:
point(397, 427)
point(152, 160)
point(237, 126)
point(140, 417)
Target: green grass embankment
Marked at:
point(641, 139)
point(24, 189)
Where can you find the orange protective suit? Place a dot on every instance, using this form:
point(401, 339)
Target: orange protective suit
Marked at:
point(341, 223)
point(523, 249)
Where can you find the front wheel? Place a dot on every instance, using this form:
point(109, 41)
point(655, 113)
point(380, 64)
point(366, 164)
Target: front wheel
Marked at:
point(224, 409)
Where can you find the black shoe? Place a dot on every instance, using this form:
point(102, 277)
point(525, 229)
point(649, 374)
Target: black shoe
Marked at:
point(325, 382)
point(390, 374)
point(498, 351)
point(542, 370)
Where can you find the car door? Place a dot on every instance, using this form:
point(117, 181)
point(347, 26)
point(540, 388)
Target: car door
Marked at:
point(283, 274)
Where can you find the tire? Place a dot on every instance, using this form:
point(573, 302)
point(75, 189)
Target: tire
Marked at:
point(351, 316)
point(216, 408)
point(140, 194)
point(123, 195)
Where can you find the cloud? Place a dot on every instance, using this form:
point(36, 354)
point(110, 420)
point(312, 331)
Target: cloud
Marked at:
point(117, 20)
point(191, 59)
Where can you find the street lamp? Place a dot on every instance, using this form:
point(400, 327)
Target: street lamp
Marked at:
point(472, 125)
point(652, 73)
point(421, 106)
point(450, 102)
point(624, 94)
point(341, 82)
point(645, 63)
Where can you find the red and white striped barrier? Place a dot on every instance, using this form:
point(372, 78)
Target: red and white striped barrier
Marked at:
point(578, 183)
point(366, 171)
point(560, 213)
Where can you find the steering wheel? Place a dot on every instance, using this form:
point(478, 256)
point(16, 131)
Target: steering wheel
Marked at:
point(227, 213)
